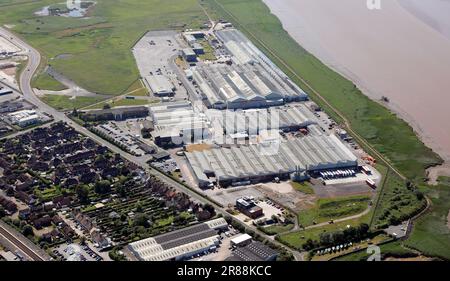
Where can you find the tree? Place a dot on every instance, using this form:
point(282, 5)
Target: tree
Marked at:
point(27, 230)
point(82, 193)
point(310, 244)
point(208, 207)
point(2, 212)
point(139, 207)
point(102, 187)
point(121, 189)
point(141, 220)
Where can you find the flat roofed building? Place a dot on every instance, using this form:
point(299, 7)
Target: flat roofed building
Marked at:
point(116, 113)
point(253, 121)
point(179, 244)
point(24, 118)
point(241, 240)
point(160, 85)
point(177, 123)
point(263, 162)
point(248, 207)
point(189, 55)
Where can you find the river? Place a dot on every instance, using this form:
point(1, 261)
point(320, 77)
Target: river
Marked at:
point(401, 51)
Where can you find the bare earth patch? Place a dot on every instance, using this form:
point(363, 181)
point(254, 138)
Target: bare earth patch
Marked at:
point(435, 172)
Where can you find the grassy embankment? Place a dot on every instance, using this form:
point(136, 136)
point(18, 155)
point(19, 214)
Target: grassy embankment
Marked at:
point(327, 209)
point(431, 232)
point(61, 102)
point(97, 50)
point(304, 187)
point(383, 130)
point(391, 249)
point(45, 82)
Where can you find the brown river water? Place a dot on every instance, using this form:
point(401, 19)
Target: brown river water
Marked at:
point(401, 51)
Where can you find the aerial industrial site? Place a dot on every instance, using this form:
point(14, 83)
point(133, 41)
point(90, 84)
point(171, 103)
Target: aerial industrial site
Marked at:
point(217, 151)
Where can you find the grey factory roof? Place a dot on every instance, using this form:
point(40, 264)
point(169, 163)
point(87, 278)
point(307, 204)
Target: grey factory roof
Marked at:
point(307, 153)
point(252, 121)
point(159, 84)
point(243, 83)
point(179, 242)
point(251, 79)
point(255, 251)
point(171, 118)
point(188, 52)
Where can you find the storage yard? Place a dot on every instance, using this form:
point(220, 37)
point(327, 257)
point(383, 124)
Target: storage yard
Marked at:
point(154, 55)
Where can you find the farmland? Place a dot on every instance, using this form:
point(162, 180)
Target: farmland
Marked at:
point(97, 50)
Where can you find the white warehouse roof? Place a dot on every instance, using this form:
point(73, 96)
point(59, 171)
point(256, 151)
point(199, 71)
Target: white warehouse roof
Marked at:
point(179, 243)
point(159, 84)
point(240, 239)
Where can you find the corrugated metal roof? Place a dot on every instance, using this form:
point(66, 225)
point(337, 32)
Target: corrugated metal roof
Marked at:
point(307, 153)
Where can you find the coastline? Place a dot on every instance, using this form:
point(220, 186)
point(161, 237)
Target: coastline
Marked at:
point(306, 36)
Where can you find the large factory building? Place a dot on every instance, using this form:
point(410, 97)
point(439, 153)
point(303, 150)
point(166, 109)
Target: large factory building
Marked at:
point(251, 81)
point(248, 164)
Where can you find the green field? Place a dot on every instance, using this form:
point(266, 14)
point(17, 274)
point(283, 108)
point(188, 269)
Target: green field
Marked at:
point(43, 81)
point(61, 102)
point(431, 233)
point(122, 102)
point(397, 202)
point(298, 238)
point(99, 47)
point(328, 209)
point(391, 249)
point(276, 229)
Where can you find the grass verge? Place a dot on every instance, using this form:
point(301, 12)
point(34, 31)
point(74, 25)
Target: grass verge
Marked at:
point(64, 103)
